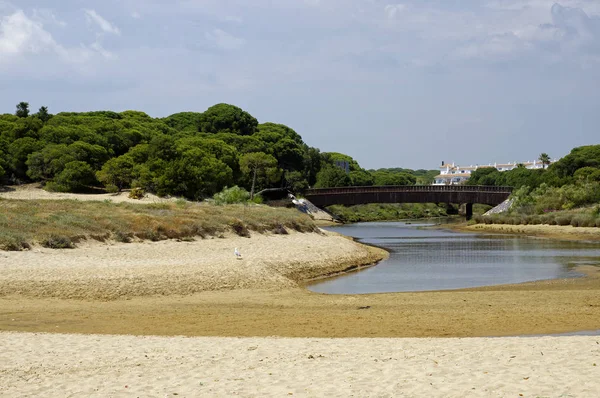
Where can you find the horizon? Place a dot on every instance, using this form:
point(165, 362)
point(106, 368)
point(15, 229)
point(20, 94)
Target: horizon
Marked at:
point(389, 84)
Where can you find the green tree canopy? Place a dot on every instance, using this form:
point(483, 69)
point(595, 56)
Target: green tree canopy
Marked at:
point(43, 114)
point(332, 176)
point(583, 156)
point(393, 178)
point(22, 109)
point(76, 176)
point(262, 167)
point(227, 118)
point(117, 172)
point(184, 121)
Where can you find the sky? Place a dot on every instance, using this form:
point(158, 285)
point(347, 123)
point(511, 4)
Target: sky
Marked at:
point(408, 84)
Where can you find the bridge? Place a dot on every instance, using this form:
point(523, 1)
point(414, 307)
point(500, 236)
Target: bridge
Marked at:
point(457, 194)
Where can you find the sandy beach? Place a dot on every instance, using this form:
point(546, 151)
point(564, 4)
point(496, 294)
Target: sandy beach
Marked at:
point(53, 365)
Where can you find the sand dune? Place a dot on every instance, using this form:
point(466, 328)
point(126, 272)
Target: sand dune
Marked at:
point(54, 365)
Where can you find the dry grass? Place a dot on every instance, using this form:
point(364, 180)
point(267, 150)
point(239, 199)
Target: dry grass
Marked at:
point(63, 223)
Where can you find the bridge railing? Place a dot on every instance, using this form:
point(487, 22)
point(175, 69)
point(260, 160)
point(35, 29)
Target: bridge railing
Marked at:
point(408, 188)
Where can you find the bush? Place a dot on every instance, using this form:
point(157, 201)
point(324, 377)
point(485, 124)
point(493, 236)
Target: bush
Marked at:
point(583, 220)
point(75, 177)
point(136, 193)
point(123, 237)
point(58, 242)
point(111, 188)
point(13, 243)
point(563, 219)
point(239, 228)
point(231, 195)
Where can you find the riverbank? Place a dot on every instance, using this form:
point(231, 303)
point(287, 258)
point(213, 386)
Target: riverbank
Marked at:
point(108, 271)
point(563, 232)
point(52, 365)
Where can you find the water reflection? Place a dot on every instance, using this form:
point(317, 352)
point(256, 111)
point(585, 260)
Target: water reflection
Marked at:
point(429, 259)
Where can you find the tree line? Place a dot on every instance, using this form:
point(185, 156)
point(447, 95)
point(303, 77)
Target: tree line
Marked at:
point(188, 154)
point(581, 165)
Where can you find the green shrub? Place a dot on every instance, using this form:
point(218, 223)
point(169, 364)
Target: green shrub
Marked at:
point(231, 195)
point(563, 219)
point(136, 193)
point(13, 243)
point(112, 188)
point(583, 220)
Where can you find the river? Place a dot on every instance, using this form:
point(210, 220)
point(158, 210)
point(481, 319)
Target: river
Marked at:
point(424, 259)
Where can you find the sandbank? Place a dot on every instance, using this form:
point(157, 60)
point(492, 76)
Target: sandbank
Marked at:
point(563, 232)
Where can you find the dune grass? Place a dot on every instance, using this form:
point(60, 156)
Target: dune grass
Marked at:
point(581, 217)
point(64, 223)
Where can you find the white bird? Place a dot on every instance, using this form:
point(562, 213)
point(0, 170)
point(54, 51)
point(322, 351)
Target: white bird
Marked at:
point(237, 253)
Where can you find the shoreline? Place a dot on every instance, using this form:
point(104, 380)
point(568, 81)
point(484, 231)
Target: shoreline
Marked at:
point(556, 232)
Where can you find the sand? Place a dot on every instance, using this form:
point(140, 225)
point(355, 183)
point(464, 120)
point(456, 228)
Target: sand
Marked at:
point(117, 270)
point(35, 192)
point(150, 320)
point(54, 365)
point(564, 232)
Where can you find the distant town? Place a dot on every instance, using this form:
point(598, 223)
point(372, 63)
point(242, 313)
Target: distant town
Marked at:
point(451, 174)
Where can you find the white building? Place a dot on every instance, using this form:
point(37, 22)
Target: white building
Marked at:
point(450, 174)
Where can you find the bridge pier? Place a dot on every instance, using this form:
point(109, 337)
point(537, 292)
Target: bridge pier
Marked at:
point(469, 211)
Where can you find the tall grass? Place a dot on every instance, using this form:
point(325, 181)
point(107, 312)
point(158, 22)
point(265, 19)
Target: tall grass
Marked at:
point(583, 217)
point(63, 223)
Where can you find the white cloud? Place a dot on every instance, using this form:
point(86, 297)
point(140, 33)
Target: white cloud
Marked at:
point(106, 26)
point(392, 10)
point(20, 34)
point(224, 40)
point(136, 15)
point(102, 51)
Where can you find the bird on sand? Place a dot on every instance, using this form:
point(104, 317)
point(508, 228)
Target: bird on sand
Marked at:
point(237, 253)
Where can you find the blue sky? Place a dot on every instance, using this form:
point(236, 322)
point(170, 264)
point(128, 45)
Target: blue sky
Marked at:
point(405, 84)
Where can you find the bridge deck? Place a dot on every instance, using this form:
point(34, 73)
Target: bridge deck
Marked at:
point(491, 195)
point(409, 188)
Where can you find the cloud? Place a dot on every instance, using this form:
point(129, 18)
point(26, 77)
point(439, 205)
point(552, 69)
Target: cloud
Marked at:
point(102, 51)
point(47, 16)
point(23, 36)
point(20, 34)
point(106, 26)
point(567, 34)
point(224, 40)
point(136, 15)
point(391, 10)
point(575, 25)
